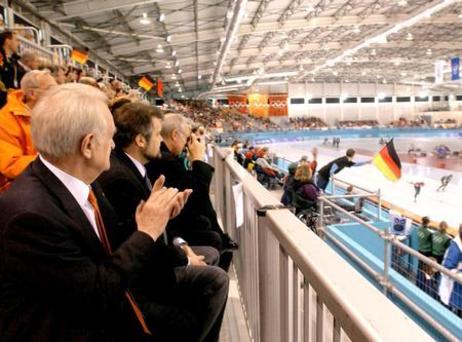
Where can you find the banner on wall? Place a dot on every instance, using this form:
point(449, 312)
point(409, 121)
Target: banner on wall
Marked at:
point(455, 67)
point(439, 71)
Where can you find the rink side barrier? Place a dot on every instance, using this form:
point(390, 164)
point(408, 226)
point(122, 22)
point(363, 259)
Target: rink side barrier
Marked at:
point(294, 287)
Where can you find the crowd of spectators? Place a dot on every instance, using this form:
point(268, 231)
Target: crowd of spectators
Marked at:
point(357, 124)
point(107, 228)
point(306, 123)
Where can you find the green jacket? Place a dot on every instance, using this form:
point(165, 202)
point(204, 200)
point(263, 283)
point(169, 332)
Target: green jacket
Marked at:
point(425, 239)
point(440, 243)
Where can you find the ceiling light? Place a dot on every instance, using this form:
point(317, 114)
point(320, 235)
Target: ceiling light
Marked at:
point(199, 77)
point(177, 62)
point(145, 20)
point(373, 53)
point(169, 38)
point(161, 17)
point(409, 36)
point(356, 29)
point(335, 73)
point(402, 2)
point(381, 96)
point(173, 53)
point(363, 73)
point(423, 94)
point(168, 66)
point(159, 49)
point(429, 52)
point(384, 81)
point(180, 71)
point(460, 15)
point(404, 74)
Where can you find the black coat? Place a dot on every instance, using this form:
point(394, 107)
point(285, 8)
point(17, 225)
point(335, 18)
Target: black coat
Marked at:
point(197, 178)
point(56, 281)
point(125, 188)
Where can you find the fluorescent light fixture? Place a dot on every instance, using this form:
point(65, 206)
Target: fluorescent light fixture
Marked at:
point(173, 53)
point(169, 38)
point(180, 71)
point(145, 20)
point(199, 77)
point(161, 17)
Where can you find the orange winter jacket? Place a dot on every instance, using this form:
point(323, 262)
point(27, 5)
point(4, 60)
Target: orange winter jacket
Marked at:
point(16, 148)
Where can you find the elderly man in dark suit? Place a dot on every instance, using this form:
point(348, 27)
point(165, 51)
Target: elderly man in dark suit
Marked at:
point(125, 185)
point(64, 276)
point(190, 172)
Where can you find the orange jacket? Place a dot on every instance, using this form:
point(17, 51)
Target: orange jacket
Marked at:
point(16, 148)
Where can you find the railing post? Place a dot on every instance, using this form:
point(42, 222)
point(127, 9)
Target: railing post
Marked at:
point(321, 218)
point(379, 205)
point(333, 185)
point(386, 259)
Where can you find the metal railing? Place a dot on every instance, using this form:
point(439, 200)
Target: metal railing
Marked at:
point(25, 44)
point(293, 286)
point(383, 276)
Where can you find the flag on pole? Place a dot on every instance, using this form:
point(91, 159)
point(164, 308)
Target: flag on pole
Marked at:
point(79, 56)
point(387, 161)
point(145, 83)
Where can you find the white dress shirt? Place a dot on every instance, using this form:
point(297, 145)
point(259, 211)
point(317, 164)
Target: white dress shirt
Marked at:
point(78, 189)
point(140, 167)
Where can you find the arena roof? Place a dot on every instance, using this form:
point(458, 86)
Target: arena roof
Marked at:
point(196, 45)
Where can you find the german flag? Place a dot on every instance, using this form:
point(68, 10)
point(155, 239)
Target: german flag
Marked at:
point(145, 83)
point(79, 56)
point(387, 161)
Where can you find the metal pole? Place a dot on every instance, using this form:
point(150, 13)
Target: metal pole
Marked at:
point(8, 15)
point(333, 185)
point(386, 260)
point(379, 205)
point(321, 218)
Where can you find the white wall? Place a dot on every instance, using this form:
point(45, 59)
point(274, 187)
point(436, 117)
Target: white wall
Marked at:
point(382, 112)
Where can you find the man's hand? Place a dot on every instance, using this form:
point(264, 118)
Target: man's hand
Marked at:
point(194, 259)
point(196, 149)
point(153, 214)
point(180, 202)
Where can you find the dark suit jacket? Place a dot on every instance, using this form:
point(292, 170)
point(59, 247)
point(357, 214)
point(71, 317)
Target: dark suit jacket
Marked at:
point(198, 178)
point(125, 188)
point(56, 281)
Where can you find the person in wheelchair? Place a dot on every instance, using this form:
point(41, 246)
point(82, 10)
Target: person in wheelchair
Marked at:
point(304, 192)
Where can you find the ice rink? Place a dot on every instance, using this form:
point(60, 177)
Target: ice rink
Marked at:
point(438, 205)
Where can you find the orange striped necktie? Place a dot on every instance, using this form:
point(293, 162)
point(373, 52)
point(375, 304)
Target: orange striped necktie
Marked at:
point(107, 246)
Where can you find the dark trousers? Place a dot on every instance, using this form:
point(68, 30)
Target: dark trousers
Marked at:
point(322, 182)
point(195, 310)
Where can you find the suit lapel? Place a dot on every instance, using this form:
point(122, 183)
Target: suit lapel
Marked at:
point(133, 171)
point(69, 205)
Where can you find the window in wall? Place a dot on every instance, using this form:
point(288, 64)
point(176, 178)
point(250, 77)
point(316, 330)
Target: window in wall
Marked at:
point(446, 98)
point(330, 100)
point(295, 100)
point(367, 99)
point(316, 100)
point(403, 99)
point(351, 100)
point(421, 99)
point(458, 97)
point(436, 98)
point(386, 99)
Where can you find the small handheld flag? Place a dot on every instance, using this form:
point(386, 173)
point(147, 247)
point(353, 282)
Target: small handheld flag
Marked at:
point(79, 56)
point(145, 83)
point(387, 161)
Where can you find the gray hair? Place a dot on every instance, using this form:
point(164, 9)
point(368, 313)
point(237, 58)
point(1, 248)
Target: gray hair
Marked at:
point(31, 80)
point(28, 55)
point(64, 116)
point(174, 121)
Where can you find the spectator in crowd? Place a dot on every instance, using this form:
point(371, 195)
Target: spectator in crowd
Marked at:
point(126, 185)
point(59, 73)
point(451, 292)
point(335, 166)
point(117, 87)
point(63, 278)
point(425, 273)
point(119, 102)
point(72, 74)
point(305, 192)
point(16, 146)
point(29, 61)
point(89, 81)
point(10, 70)
point(440, 242)
point(198, 222)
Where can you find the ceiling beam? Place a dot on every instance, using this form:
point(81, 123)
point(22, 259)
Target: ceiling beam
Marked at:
point(88, 8)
